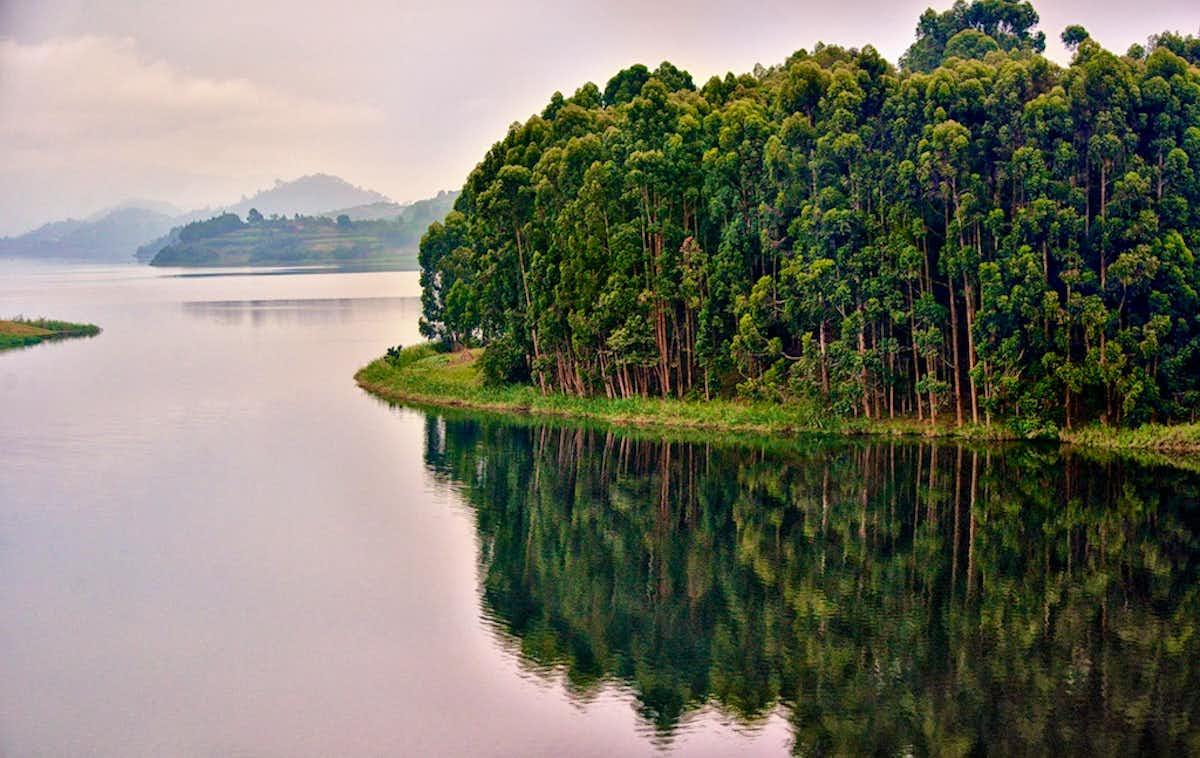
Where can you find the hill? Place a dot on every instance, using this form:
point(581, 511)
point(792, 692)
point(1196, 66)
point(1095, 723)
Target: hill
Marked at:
point(368, 212)
point(419, 215)
point(315, 196)
point(227, 240)
point(140, 228)
point(308, 195)
point(110, 236)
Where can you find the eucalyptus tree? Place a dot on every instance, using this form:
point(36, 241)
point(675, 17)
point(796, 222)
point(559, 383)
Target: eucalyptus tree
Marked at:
point(979, 235)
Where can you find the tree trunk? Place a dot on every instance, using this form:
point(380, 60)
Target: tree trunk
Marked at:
point(954, 362)
point(862, 359)
point(537, 351)
point(967, 291)
point(912, 313)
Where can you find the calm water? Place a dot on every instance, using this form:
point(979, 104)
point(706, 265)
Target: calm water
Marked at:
point(213, 543)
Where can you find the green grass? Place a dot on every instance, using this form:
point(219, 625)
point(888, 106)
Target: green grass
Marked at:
point(1157, 438)
point(23, 332)
point(420, 375)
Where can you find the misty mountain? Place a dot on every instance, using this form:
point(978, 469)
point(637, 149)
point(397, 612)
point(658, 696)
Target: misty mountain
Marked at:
point(227, 240)
point(55, 230)
point(368, 212)
point(158, 206)
point(418, 214)
point(308, 196)
point(140, 228)
point(110, 236)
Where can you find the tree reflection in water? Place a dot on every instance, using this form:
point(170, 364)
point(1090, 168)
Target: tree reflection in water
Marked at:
point(890, 596)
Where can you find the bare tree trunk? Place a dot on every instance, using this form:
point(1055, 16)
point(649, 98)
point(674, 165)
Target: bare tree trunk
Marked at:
point(537, 351)
point(954, 362)
point(862, 358)
point(970, 297)
point(916, 355)
point(824, 365)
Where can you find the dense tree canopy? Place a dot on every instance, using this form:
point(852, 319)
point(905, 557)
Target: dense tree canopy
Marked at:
point(998, 24)
point(982, 234)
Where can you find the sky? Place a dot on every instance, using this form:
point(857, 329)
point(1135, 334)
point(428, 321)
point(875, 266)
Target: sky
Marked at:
point(199, 103)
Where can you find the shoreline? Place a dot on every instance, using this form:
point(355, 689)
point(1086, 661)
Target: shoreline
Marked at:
point(421, 376)
point(20, 332)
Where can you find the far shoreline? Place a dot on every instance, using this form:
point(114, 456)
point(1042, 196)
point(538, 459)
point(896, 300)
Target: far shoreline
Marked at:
point(420, 375)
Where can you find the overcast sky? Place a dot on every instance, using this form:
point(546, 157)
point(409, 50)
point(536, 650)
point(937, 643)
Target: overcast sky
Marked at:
point(197, 103)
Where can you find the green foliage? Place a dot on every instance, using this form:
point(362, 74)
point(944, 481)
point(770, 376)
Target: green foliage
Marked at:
point(982, 236)
point(213, 227)
point(399, 357)
point(302, 239)
point(970, 43)
point(423, 374)
point(59, 327)
point(23, 332)
point(998, 24)
point(1184, 46)
point(1074, 35)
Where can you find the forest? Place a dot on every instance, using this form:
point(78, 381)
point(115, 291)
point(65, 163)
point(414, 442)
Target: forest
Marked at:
point(976, 234)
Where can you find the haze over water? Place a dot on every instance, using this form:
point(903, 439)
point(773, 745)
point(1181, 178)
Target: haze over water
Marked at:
point(213, 543)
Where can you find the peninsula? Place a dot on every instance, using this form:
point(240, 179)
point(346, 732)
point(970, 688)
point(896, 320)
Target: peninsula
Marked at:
point(976, 240)
point(21, 332)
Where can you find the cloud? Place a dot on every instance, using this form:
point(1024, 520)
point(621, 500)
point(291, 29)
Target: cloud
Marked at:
point(95, 106)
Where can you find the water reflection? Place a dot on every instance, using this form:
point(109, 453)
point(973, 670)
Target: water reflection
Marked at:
point(305, 312)
point(891, 598)
point(338, 268)
point(47, 341)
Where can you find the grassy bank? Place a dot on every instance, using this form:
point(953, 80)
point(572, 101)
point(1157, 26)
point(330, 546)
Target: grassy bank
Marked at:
point(22, 332)
point(1156, 438)
point(421, 375)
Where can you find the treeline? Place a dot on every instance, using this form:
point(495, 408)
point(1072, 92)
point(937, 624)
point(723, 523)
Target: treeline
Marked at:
point(225, 223)
point(980, 233)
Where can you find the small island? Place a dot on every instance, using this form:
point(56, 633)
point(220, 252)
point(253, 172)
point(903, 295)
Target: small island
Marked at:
point(22, 332)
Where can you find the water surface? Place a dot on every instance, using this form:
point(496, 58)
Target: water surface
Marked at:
point(213, 543)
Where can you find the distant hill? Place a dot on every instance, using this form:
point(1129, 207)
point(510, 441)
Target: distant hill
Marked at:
point(308, 196)
point(110, 236)
point(158, 206)
point(419, 215)
point(227, 240)
point(140, 228)
point(422, 212)
point(53, 231)
point(368, 212)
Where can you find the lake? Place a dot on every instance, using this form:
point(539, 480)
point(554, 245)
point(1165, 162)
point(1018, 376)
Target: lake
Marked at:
point(213, 543)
